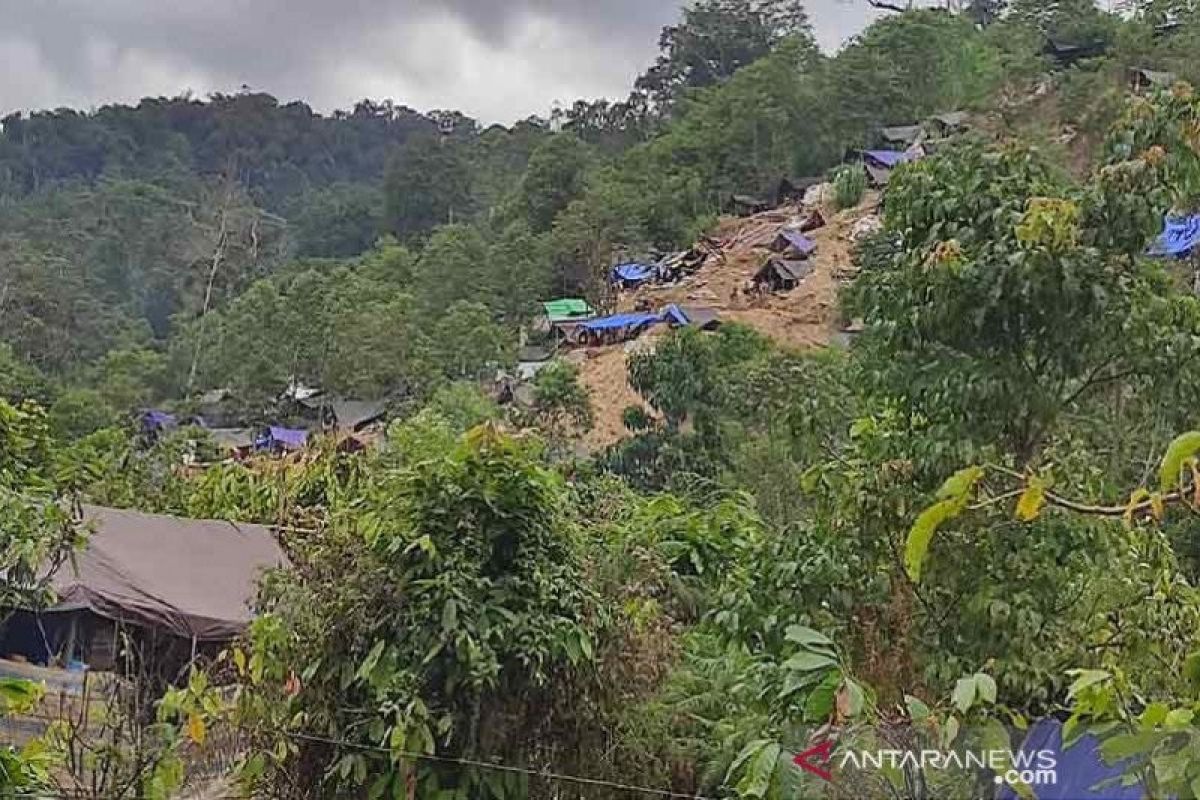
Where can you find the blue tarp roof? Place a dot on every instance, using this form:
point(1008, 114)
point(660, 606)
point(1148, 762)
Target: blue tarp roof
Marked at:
point(633, 320)
point(888, 158)
point(634, 273)
point(1078, 771)
point(675, 314)
point(1179, 237)
point(799, 242)
point(288, 437)
point(153, 419)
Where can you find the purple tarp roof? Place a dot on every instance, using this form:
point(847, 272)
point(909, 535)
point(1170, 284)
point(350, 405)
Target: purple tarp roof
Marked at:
point(288, 437)
point(799, 242)
point(153, 419)
point(888, 158)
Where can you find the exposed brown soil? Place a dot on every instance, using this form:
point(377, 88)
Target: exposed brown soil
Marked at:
point(802, 318)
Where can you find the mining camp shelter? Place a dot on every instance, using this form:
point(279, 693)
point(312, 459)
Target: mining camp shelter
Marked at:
point(191, 581)
point(781, 275)
point(793, 245)
point(1144, 80)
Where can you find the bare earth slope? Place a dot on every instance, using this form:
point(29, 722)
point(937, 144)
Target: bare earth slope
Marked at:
point(802, 318)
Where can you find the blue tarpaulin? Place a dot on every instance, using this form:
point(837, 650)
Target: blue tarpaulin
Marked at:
point(675, 315)
point(634, 320)
point(1179, 237)
point(633, 273)
point(153, 420)
point(287, 438)
point(803, 245)
point(1079, 770)
point(887, 158)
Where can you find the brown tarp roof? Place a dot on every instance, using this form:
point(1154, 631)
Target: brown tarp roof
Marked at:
point(193, 578)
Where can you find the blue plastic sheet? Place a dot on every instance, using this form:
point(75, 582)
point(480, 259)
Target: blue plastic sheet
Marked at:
point(284, 437)
point(154, 420)
point(1079, 769)
point(1179, 237)
point(634, 320)
point(676, 315)
point(633, 273)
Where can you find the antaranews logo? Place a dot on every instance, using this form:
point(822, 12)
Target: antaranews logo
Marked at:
point(1015, 768)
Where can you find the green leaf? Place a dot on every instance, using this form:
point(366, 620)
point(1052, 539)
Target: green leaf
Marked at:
point(921, 535)
point(1085, 678)
point(760, 768)
point(807, 662)
point(805, 636)
point(823, 699)
point(1191, 669)
point(985, 686)
point(450, 615)
point(1184, 447)
point(950, 733)
point(960, 484)
point(1127, 745)
point(964, 694)
point(917, 709)
point(368, 664)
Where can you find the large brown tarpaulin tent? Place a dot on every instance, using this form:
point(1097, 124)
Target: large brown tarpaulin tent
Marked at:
point(193, 578)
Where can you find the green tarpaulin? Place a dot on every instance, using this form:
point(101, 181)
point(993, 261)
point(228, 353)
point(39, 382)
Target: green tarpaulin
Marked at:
point(568, 310)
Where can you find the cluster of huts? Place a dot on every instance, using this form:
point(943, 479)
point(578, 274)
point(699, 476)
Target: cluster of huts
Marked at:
point(309, 411)
point(572, 321)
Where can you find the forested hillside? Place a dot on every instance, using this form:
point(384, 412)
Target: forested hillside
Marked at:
point(979, 514)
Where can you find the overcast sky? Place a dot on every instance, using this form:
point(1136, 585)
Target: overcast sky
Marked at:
point(496, 60)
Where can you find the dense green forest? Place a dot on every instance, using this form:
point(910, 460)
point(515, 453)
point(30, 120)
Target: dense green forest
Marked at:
point(980, 514)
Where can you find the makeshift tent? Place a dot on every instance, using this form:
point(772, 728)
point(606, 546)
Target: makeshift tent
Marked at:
point(791, 190)
point(192, 578)
point(154, 421)
point(901, 135)
point(744, 205)
point(675, 316)
point(793, 244)
point(232, 439)
point(617, 327)
point(887, 159)
point(1069, 52)
point(1080, 771)
point(1180, 237)
point(631, 320)
point(632, 275)
point(351, 416)
point(695, 316)
point(567, 310)
point(1143, 80)
point(277, 438)
point(781, 274)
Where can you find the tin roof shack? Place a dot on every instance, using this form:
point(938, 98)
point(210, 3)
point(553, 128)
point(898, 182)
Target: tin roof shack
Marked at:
point(562, 318)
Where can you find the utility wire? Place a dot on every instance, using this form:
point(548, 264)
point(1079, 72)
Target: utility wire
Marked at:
point(556, 776)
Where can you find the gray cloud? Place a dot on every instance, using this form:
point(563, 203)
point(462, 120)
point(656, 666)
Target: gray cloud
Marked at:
point(497, 60)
